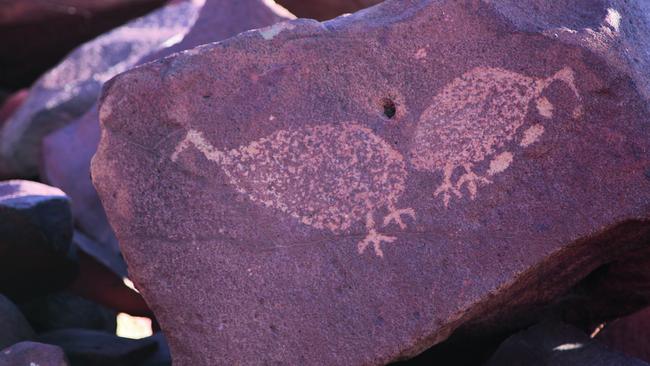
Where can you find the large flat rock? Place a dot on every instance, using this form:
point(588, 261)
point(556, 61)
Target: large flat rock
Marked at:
point(66, 153)
point(355, 191)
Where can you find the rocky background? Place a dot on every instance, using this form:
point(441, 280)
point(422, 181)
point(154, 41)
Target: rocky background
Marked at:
point(542, 261)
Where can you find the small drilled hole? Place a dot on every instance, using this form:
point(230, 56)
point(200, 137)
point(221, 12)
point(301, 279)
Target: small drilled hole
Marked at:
point(389, 108)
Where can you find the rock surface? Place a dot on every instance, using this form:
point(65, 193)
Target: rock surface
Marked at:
point(356, 191)
point(14, 327)
point(37, 34)
point(72, 87)
point(325, 9)
point(94, 348)
point(35, 237)
point(557, 344)
point(67, 152)
point(33, 354)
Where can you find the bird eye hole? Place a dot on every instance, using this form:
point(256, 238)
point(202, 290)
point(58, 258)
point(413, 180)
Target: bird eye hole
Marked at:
point(389, 107)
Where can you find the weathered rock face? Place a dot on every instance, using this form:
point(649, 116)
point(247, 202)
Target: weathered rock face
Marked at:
point(71, 88)
point(355, 191)
point(37, 34)
point(67, 152)
point(325, 9)
point(33, 353)
point(94, 348)
point(35, 236)
point(559, 345)
point(14, 327)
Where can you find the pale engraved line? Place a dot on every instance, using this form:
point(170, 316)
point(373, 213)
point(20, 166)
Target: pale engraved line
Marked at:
point(255, 149)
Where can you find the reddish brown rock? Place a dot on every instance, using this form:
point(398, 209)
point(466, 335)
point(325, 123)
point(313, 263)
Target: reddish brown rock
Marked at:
point(67, 152)
point(325, 9)
point(35, 35)
point(32, 354)
point(67, 91)
point(356, 191)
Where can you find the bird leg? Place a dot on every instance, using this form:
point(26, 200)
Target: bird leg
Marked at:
point(446, 186)
point(395, 214)
point(373, 237)
point(471, 179)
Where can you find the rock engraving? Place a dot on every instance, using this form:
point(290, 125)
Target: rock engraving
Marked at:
point(474, 117)
point(325, 176)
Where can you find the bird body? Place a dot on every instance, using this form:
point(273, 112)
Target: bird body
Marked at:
point(325, 176)
point(473, 118)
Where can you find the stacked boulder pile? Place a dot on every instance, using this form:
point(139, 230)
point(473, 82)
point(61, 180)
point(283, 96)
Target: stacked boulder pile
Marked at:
point(412, 182)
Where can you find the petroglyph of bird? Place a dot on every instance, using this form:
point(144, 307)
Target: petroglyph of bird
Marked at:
point(474, 117)
point(326, 176)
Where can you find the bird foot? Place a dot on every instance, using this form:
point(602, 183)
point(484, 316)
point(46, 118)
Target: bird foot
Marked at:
point(445, 189)
point(396, 215)
point(472, 180)
point(375, 239)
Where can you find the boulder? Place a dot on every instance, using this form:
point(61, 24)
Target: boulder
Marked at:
point(14, 327)
point(71, 88)
point(282, 196)
point(63, 310)
point(557, 344)
point(33, 354)
point(35, 237)
point(95, 348)
point(67, 152)
point(38, 34)
point(325, 9)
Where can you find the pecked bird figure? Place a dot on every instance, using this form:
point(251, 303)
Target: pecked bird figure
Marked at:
point(473, 118)
point(326, 176)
